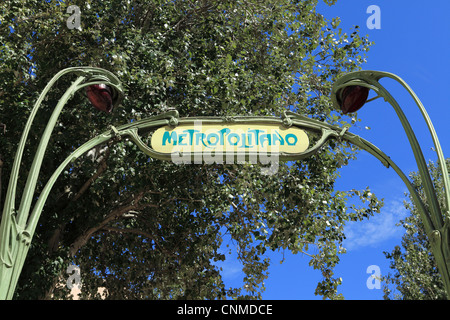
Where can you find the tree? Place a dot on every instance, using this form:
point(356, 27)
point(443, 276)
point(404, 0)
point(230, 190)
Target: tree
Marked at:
point(416, 276)
point(143, 228)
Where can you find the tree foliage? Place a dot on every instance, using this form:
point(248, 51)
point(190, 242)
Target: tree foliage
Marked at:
point(416, 275)
point(143, 228)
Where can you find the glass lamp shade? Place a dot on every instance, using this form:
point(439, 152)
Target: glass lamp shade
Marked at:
point(353, 98)
point(100, 96)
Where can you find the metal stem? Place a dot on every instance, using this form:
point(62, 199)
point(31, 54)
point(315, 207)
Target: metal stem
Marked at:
point(15, 235)
point(436, 220)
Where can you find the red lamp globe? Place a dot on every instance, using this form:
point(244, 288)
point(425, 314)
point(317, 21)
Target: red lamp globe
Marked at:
point(353, 98)
point(100, 96)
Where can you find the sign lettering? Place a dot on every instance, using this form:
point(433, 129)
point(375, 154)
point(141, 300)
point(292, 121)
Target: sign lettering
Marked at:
point(230, 138)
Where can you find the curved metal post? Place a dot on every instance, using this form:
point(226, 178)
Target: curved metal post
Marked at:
point(439, 230)
point(13, 229)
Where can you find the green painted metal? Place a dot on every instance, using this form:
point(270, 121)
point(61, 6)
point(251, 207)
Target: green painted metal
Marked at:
point(15, 235)
point(18, 226)
point(436, 219)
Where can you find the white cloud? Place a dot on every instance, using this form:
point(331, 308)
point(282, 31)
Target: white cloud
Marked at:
point(379, 228)
point(231, 268)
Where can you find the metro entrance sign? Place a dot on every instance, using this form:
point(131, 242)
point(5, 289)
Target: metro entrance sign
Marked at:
point(232, 138)
point(183, 140)
point(216, 141)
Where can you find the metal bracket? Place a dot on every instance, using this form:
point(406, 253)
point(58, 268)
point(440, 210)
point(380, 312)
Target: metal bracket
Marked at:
point(342, 133)
point(287, 121)
point(116, 133)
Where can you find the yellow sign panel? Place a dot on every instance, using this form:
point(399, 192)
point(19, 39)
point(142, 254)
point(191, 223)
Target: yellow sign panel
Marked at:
point(229, 138)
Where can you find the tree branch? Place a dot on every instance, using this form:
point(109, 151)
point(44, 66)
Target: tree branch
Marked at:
point(138, 232)
point(132, 205)
point(101, 168)
point(56, 237)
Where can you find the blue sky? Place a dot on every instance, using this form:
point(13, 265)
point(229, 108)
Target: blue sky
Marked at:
point(414, 43)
